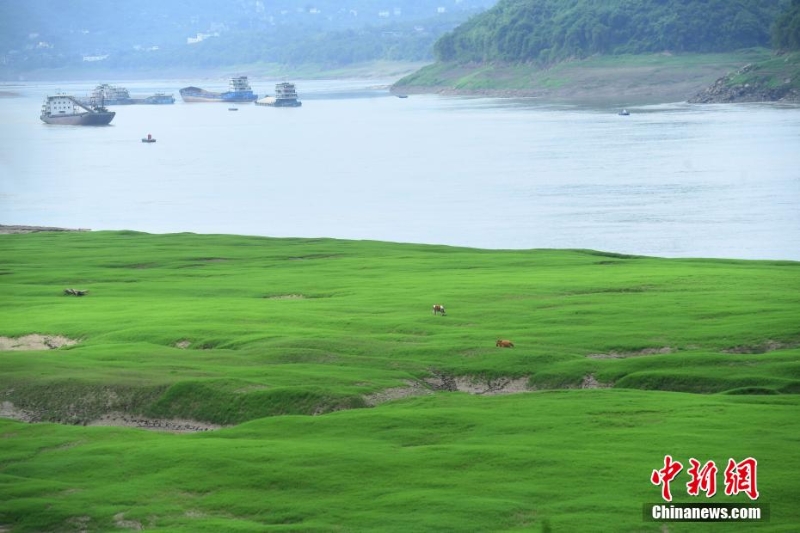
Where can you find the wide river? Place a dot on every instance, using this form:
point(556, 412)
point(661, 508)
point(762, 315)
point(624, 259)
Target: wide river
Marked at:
point(674, 180)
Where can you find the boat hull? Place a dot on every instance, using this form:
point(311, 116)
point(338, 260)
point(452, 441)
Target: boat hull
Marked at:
point(80, 119)
point(272, 102)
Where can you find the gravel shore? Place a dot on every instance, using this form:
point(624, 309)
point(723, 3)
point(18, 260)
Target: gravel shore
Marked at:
point(10, 229)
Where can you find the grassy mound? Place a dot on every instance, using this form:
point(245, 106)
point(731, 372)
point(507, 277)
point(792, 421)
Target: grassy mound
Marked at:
point(251, 331)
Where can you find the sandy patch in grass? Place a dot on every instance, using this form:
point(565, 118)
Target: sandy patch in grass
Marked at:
point(286, 297)
point(35, 341)
point(119, 521)
point(444, 382)
point(183, 344)
point(623, 355)
point(764, 347)
point(412, 388)
point(478, 384)
point(8, 410)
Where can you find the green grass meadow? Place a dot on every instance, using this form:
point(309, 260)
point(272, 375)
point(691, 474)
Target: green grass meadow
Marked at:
point(283, 342)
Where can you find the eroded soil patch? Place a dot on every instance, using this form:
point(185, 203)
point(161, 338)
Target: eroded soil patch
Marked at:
point(479, 384)
point(154, 424)
point(35, 341)
point(445, 382)
point(639, 353)
point(764, 347)
point(412, 388)
point(8, 410)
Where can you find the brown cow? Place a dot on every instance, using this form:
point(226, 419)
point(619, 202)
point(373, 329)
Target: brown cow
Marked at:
point(502, 343)
point(437, 309)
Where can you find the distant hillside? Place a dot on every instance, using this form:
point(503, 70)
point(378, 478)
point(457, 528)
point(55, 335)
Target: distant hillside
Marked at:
point(644, 51)
point(549, 31)
point(185, 34)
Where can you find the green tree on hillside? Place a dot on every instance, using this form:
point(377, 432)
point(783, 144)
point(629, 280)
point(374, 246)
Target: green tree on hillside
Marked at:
point(552, 30)
point(786, 32)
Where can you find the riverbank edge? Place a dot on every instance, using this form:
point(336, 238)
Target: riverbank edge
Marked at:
point(391, 70)
point(621, 80)
point(15, 229)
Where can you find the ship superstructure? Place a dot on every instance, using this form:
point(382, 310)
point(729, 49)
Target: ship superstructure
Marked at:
point(238, 91)
point(67, 110)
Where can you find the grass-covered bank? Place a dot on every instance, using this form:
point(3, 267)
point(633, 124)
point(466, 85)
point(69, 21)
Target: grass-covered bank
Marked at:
point(545, 461)
point(224, 329)
point(645, 78)
point(227, 330)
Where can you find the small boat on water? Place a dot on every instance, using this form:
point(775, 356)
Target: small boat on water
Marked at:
point(233, 109)
point(285, 96)
point(148, 139)
point(67, 110)
point(624, 113)
point(238, 91)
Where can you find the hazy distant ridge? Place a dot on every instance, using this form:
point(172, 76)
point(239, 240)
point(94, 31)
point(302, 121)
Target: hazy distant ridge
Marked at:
point(152, 34)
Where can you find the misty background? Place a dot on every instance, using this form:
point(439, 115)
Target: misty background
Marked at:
point(84, 35)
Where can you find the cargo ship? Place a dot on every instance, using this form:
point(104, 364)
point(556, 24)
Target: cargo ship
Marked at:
point(285, 96)
point(67, 110)
point(112, 95)
point(238, 91)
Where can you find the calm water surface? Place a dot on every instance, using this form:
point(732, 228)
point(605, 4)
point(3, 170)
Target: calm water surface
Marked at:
point(354, 162)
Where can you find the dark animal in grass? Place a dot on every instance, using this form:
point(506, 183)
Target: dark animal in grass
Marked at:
point(438, 309)
point(502, 343)
point(75, 292)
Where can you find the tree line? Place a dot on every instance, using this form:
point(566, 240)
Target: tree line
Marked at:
point(548, 31)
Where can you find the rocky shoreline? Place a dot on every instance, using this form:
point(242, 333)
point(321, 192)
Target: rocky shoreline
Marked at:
point(721, 92)
point(725, 92)
point(11, 229)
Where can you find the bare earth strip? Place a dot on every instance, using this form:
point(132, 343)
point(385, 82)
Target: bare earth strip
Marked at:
point(35, 341)
point(154, 424)
point(9, 410)
point(413, 388)
point(624, 355)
